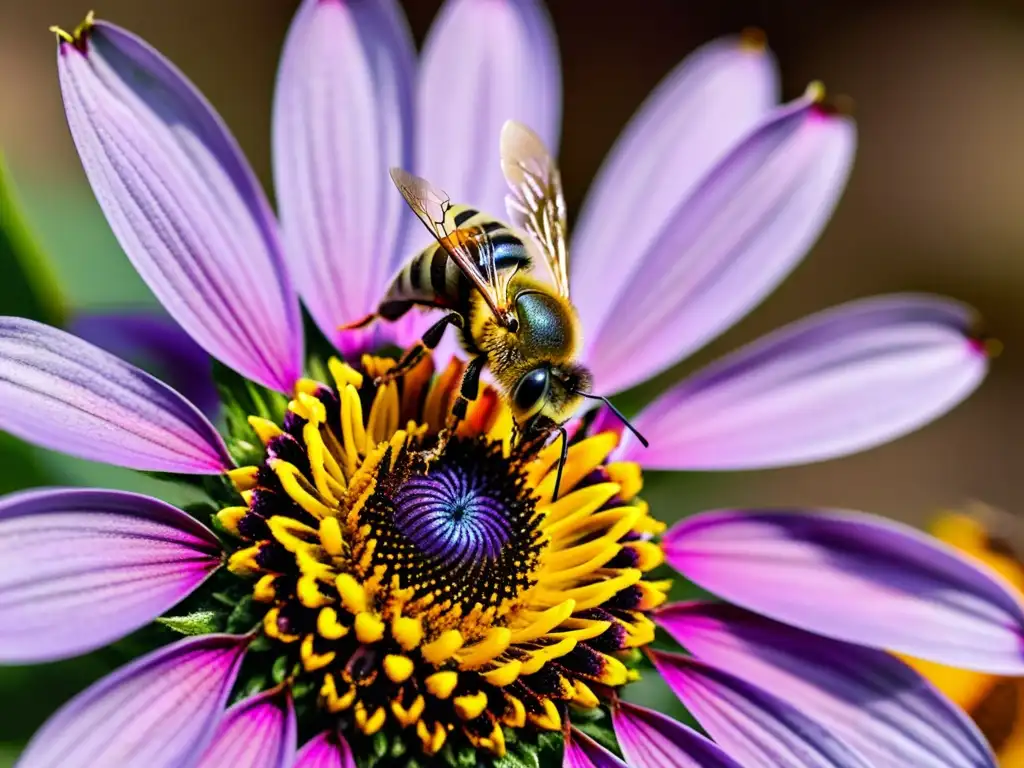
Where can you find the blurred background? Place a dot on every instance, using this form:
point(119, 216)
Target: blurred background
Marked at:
point(934, 204)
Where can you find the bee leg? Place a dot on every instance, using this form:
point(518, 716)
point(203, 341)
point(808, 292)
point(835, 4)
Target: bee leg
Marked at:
point(468, 392)
point(470, 387)
point(430, 339)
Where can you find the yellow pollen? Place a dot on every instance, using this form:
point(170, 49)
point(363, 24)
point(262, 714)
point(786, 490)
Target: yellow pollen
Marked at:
point(370, 725)
point(407, 717)
point(353, 596)
point(265, 429)
point(432, 738)
point(309, 593)
point(440, 650)
point(330, 536)
point(243, 562)
point(264, 591)
point(344, 375)
point(504, 675)
point(441, 684)
point(517, 717)
point(628, 475)
point(550, 720)
point(300, 489)
point(311, 660)
point(369, 628)
point(494, 644)
point(470, 706)
point(398, 668)
point(229, 517)
point(407, 631)
point(243, 478)
point(583, 696)
point(328, 626)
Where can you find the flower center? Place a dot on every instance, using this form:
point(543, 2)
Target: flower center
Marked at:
point(431, 586)
point(451, 517)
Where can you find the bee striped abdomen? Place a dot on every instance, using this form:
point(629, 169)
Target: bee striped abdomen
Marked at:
point(432, 278)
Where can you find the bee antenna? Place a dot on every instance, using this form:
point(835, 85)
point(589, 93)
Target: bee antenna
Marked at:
point(618, 414)
point(561, 461)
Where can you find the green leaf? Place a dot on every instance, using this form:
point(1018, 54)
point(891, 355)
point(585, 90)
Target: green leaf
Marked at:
point(602, 733)
point(197, 623)
point(523, 758)
point(242, 618)
point(29, 287)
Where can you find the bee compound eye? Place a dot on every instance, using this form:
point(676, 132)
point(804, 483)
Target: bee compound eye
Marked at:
point(531, 390)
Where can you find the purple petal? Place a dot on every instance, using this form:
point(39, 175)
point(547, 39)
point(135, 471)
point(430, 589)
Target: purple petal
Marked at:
point(740, 232)
point(61, 393)
point(484, 62)
point(82, 568)
point(342, 116)
point(832, 384)
point(258, 732)
point(754, 726)
point(157, 344)
point(699, 112)
point(858, 578)
point(182, 202)
point(868, 698)
point(581, 751)
point(160, 711)
point(649, 739)
point(328, 750)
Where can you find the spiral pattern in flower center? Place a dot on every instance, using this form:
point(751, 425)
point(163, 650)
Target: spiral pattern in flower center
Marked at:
point(449, 515)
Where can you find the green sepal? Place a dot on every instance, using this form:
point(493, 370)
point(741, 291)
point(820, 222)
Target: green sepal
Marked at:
point(467, 757)
point(252, 685)
point(601, 732)
point(280, 669)
point(241, 399)
point(242, 617)
point(196, 623)
point(523, 757)
point(379, 745)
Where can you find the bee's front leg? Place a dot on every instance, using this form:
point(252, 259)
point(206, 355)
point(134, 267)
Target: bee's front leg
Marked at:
point(469, 390)
point(429, 341)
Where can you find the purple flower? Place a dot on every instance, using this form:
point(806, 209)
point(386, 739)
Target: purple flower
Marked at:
point(387, 591)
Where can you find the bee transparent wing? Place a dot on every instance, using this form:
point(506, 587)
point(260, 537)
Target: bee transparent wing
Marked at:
point(433, 207)
point(536, 203)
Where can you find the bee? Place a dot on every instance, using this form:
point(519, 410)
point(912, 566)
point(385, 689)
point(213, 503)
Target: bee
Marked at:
point(525, 331)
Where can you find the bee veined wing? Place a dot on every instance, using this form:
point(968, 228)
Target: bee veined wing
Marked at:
point(536, 203)
point(474, 254)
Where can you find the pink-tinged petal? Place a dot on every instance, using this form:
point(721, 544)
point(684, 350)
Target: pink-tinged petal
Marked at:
point(156, 344)
point(581, 751)
point(753, 726)
point(649, 739)
point(870, 699)
point(83, 568)
point(838, 382)
point(739, 233)
point(328, 750)
point(258, 732)
point(484, 62)
point(699, 112)
point(858, 578)
point(62, 393)
point(343, 115)
point(182, 201)
point(160, 711)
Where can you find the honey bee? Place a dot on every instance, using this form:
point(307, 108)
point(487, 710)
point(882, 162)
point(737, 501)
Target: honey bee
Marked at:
point(522, 329)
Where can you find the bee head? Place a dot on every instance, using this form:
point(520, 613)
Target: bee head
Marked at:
point(549, 391)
